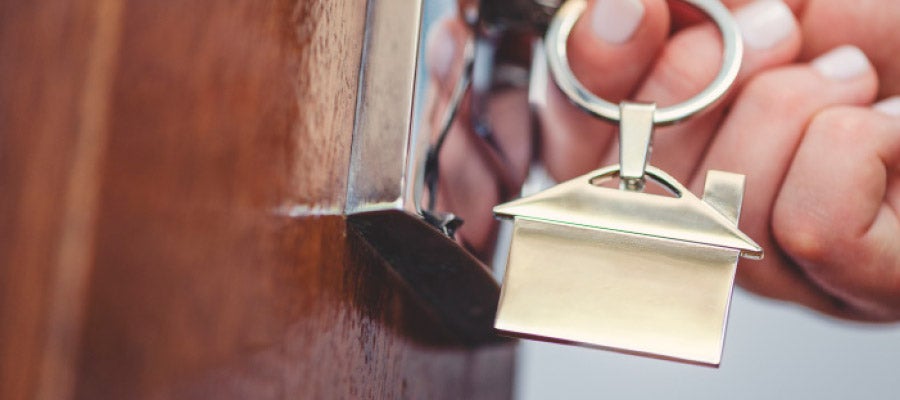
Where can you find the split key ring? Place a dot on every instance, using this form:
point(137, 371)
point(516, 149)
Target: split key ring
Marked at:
point(557, 57)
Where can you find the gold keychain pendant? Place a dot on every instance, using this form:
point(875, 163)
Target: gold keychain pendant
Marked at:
point(619, 268)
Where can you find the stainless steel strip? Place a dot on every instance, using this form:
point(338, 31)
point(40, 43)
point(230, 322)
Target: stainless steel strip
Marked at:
point(381, 134)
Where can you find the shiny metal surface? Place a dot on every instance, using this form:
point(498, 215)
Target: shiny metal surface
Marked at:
point(618, 291)
point(561, 27)
point(624, 270)
point(385, 181)
point(635, 134)
point(432, 161)
point(724, 191)
point(383, 148)
point(683, 217)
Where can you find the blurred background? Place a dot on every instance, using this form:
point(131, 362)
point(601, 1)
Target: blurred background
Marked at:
point(772, 350)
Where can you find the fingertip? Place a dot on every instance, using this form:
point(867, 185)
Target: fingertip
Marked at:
point(685, 15)
point(620, 25)
point(842, 76)
point(842, 63)
point(889, 106)
point(771, 35)
point(615, 21)
point(766, 23)
point(615, 41)
point(849, 67)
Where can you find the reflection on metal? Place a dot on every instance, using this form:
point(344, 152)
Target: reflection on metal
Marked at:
point(381, 140)
point(511, 15)
point(385, 182)
point(432, 160)
point(628, 271)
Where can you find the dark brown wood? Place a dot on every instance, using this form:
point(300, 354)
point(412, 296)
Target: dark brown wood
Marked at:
point(171, 180)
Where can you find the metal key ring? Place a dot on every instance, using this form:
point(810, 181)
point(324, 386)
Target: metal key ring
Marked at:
point(557, 57)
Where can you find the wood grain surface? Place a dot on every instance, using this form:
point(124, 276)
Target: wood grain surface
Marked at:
point(171, 180)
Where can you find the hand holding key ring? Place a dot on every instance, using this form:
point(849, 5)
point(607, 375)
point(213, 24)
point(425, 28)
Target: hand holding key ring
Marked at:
point(637, 121)
point(780, 130)
point(558, 35)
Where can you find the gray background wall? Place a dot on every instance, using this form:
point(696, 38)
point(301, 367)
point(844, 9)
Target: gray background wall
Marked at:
point(772, 351)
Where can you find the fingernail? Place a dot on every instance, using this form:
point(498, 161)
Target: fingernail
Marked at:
point(765, 23)
point(842, 63)
point(889, 106)
point(615, 21)
point(441, 50)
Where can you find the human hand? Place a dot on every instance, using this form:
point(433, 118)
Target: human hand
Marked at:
point(833, 221)
point(757, 132)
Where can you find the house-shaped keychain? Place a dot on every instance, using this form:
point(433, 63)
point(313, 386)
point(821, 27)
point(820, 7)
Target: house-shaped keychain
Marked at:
point(625, 270)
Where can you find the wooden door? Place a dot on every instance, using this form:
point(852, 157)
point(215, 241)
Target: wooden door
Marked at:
point(148, 152)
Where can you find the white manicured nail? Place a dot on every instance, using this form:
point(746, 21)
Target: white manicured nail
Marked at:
point(842, 63)
point(889, 106)
point(441, 50)
point(765, 23)
point(615, 21)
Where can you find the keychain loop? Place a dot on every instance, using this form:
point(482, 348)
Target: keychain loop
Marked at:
point(557, 57)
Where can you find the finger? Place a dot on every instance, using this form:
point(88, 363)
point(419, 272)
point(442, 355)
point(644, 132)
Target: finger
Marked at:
point(692, 59)
point(868, 24)
point(610, 49)
point(759, 139)
point(684, 15)
point(836, 214)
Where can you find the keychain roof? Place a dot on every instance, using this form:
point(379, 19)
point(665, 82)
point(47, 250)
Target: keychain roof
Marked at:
point(684, 217)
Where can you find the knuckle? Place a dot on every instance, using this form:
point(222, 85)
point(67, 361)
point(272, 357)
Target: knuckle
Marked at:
point(808, 241)
point(840, 124)
point(809, 233)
